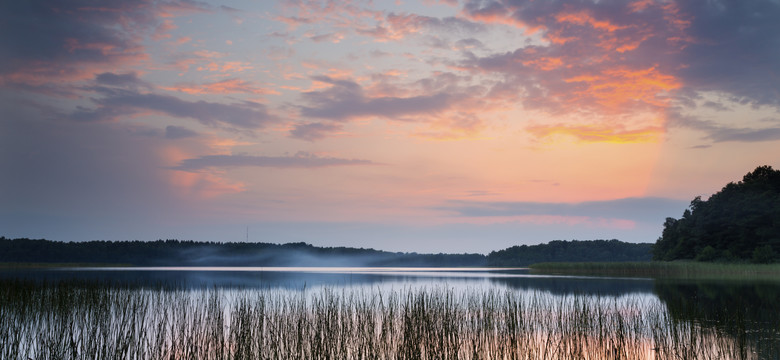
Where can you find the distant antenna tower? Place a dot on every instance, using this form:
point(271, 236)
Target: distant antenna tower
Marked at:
point(247, 234)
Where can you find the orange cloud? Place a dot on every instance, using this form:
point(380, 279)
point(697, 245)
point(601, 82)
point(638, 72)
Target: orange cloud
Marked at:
point(583, 18)
point(228, 86)
point(640, 5)
point(599, 133)
point(618, 90)
point(226, 67)
point(502, 18)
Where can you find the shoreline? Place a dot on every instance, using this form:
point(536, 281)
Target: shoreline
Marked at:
point(662, 269)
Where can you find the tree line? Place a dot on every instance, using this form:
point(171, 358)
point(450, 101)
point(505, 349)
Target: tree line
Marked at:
point(571, 251)
point(741, 222)
point(173, 252)
point(192, 253)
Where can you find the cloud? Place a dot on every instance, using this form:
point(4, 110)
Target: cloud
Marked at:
point(468, 44)
point(227, 86)
point(605, 58)
point(247, 114)
point(178, 132)
point(648, 209)
point(314, 131)
point(49, 41)
point(345, 99)
point(54, 39)
point(118, 102)
point(598, 133)
point(396, 27)
point(444, 106)
point(719, 133)
point(611, 63)
point(299, 160)
point(745, 135)
point(349, 17)
point(735, 49)
point(128, 80)
point(329, 37)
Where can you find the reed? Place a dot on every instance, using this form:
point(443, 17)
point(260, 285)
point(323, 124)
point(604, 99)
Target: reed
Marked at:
point(90, 320)
point(667, 269)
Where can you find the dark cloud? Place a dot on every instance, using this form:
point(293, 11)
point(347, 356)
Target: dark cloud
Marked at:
point(718, 133)
point(734, 48)
point(345, 99)
point(486, 9)
point(45, 41)
point(700, 147)
point(247, 114)
point(56, 38)
point(117, 102)
point(299, 160)
point(329, 37)
point(101, 114)
point(470, 43)
point(745, 135)
point(128, 80)
point(178, 132)
point(313, 131)
point(649, 209)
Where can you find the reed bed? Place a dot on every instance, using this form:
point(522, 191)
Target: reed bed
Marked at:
point(665, 269)
point(80, 320)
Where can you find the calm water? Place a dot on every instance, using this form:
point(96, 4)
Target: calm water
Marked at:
point(298, 278)
point(741, 312)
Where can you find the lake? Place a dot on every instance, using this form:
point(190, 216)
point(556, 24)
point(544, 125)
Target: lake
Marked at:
point(385, 313)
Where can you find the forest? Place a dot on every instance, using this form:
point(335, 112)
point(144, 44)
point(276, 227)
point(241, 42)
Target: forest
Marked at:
point(192, 253)
point(741, 222)
point(571, 251)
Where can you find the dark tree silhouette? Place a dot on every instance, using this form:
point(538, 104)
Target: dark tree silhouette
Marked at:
point(740, 222)
point(192, 253)
point(571, 251)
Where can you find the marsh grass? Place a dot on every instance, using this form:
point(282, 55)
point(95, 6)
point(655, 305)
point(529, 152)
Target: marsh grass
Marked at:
point(90, 320)
point(666, 269)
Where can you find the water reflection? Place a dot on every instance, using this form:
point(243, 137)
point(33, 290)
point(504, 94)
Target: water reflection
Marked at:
point(273, 278)
point(596, 286)
point(742, 317)
point(746, 311)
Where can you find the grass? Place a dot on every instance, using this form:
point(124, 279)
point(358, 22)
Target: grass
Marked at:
point(92, 320)
point(667, 269)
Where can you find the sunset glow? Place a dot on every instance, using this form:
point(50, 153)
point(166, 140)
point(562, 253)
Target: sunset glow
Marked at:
point(433, 126)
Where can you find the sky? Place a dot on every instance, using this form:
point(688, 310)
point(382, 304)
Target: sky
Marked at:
point(428, 126)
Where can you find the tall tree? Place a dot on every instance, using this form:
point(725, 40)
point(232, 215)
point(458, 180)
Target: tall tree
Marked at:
point(740, 222)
